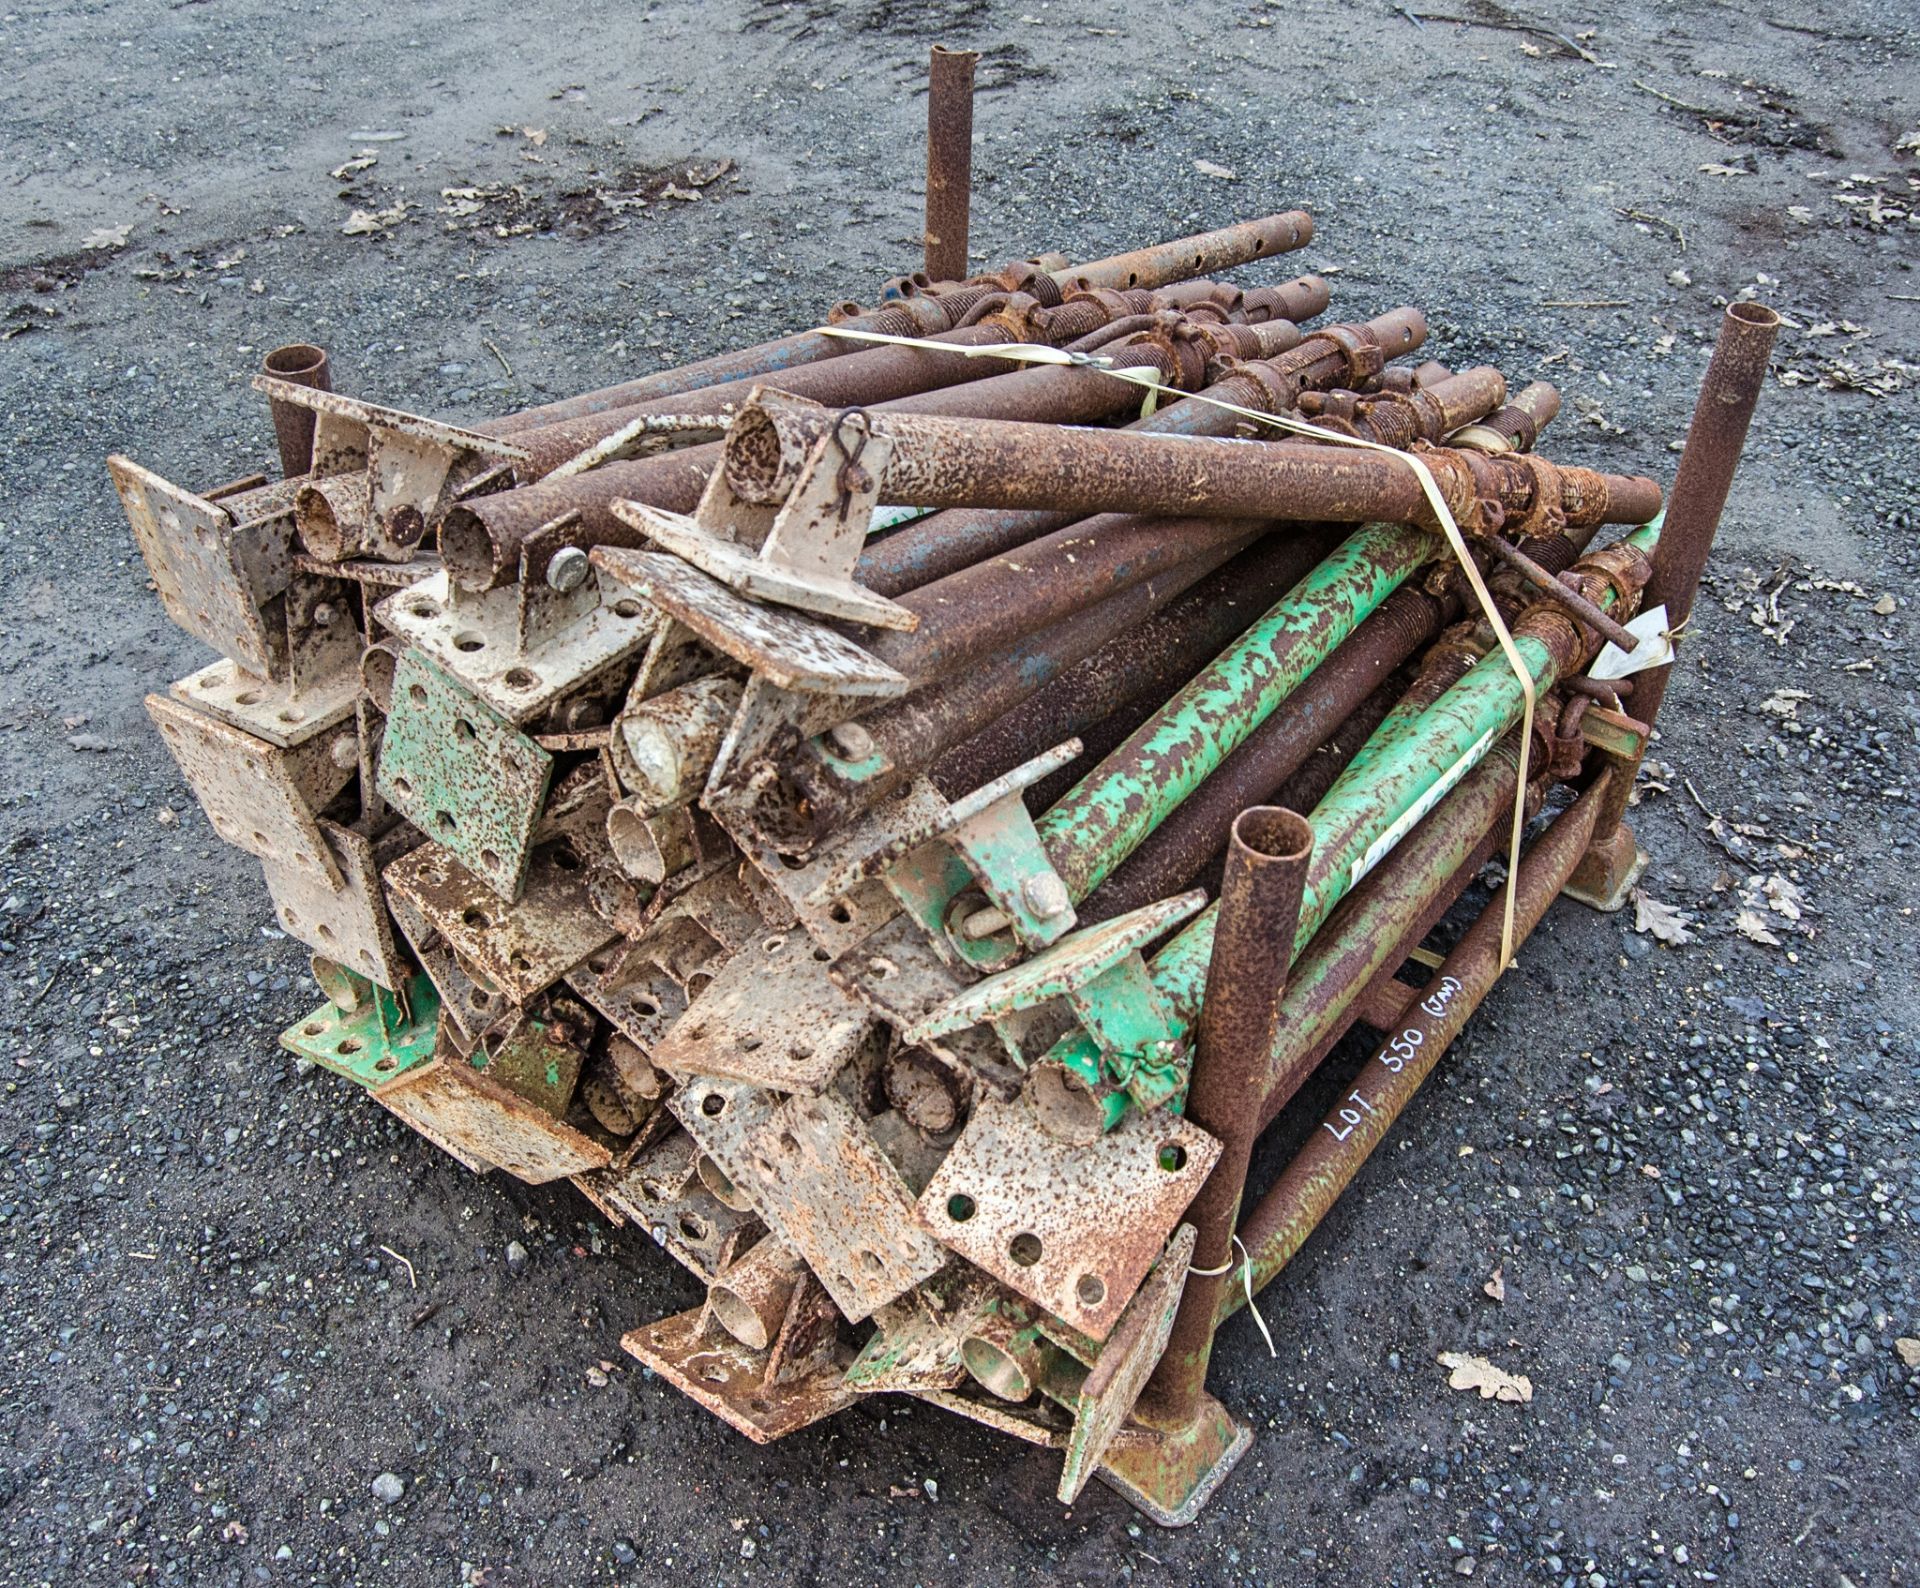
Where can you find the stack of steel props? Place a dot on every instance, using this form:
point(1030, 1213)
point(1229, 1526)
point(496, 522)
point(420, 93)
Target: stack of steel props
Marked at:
point(671, 809)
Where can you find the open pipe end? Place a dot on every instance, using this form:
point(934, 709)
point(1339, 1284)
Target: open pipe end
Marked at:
point(995, 1370)
point(319, 525)
point(1272, 835)
point(1755, 315)
point(761, 461)
point(471, 558)
point(300, 362)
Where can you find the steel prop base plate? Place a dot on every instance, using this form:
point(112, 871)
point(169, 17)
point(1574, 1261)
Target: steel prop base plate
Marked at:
point(1171, 1476)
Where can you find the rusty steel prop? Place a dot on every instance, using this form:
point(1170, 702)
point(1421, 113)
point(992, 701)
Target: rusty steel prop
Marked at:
point(949, 160)
point(945, 462)
point(303, 365)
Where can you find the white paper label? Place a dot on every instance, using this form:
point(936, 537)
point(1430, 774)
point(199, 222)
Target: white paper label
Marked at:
point(1654, 650)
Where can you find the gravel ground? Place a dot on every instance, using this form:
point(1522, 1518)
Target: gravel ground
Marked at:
point(251, 1329)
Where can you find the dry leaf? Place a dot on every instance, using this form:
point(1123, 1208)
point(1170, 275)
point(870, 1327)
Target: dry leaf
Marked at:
point(365, 160)
point(1785, 702)
point(1219, 173)
point(536, 136)
point(1662, 920)
point(1712, 169)
point(1496, 1287)
point(108, 237)
point(1909, 1351)
point(1750, 924)
point(366, 223)
point(1477, 1373)
point(1783, 898)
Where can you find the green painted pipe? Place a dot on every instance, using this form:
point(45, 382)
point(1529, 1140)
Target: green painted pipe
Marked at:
point(1411, 768)
point(1106, 815)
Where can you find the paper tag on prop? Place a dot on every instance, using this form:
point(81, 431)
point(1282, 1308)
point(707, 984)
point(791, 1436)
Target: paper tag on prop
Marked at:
point(1654, 650)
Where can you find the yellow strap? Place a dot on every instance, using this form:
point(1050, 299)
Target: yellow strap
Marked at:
point(1036, 353)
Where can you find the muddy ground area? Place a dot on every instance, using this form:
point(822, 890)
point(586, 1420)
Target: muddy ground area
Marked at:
point(253, 1330)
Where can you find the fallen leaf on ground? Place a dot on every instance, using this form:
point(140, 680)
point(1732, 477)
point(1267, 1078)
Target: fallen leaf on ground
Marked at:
point(1784, 702)
point(365, 160)
point(1662, 920)
point(1752, 925)
point(534, 135)
point(1496, 1287)
point(1219, 173)
point(108, 237)
point(1477, 1373)
point(1783, 898)
point(367, 223)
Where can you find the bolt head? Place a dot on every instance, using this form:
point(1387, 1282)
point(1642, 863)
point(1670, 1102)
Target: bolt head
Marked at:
point(852, 741)
point(567, 568)
point(1045, 895)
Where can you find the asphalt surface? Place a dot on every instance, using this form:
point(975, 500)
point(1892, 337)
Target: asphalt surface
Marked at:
point(253, 1330)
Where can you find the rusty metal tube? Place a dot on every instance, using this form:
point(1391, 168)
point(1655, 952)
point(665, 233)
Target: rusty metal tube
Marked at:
point(994, 603)
point(1154, 630)
point(1195, 256)
point(1138, 663)
point(1267, 856)
point(302, 364)
point(927, 315)
point(480, 539)
point(1736, 375)
point(949, 160)
point(943, 543)
point(1289, 1212)
point(945, 462)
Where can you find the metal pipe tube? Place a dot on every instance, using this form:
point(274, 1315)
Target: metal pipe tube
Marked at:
point(946, 462)
point(1138, 663)
point(1325, 1166)
point(1735, 377)
point(304, 365)
point(930, 314)
point(1267, 856)
point(995, 603)
point(480, 539)
point(949, 160)
point(1106, 815)
point(1195, 256)
point(946, 542)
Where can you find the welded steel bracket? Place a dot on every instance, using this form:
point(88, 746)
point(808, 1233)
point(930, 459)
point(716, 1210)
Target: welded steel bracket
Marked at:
point(526, 645)
point(463, 774)
point(1605, 878)
point(250, 790)
point(383, 1035)
point(387, 475)
point(479, 1118)
point(468, 1006)
point(780, 647)
point(897, 975)
point(1107, 1395)
point(807, 555)
point(1081, 1250)
point(917, 1345)
point(814, 1172)
point(987, 840)
point(1102, 976)
point(768, 1394)
point(771, 1017)
point(350, 923)
point(219, 563)
point(520, 948)
point(660, 1191)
